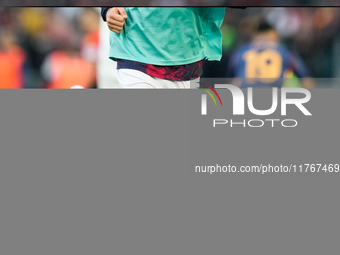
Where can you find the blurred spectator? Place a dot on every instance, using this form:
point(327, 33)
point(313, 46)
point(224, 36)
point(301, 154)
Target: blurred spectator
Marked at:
point(88, 20)
point(65, 68)
point(12, 60)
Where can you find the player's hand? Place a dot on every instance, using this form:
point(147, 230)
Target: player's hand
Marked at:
point(115, 19)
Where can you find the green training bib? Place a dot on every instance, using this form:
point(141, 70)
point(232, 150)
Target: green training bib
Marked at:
point(169, 36)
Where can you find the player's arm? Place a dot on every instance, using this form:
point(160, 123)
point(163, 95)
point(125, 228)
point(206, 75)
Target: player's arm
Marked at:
point(114, 17)
point(301, 71)
point(308, 83)
point(231, 70)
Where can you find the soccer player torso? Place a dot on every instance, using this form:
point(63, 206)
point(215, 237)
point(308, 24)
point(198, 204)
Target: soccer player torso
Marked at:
point(169, 36)
point(261, 64)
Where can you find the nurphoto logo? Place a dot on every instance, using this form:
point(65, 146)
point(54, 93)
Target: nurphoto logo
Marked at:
point(287, 96)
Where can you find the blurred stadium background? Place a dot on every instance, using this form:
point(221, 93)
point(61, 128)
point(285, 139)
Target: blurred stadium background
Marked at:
point(74, 40)
point(169, 3)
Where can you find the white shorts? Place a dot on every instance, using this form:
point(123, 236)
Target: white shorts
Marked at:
point(133, 79)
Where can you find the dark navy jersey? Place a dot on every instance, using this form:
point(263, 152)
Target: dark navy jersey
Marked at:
point(264, 64)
